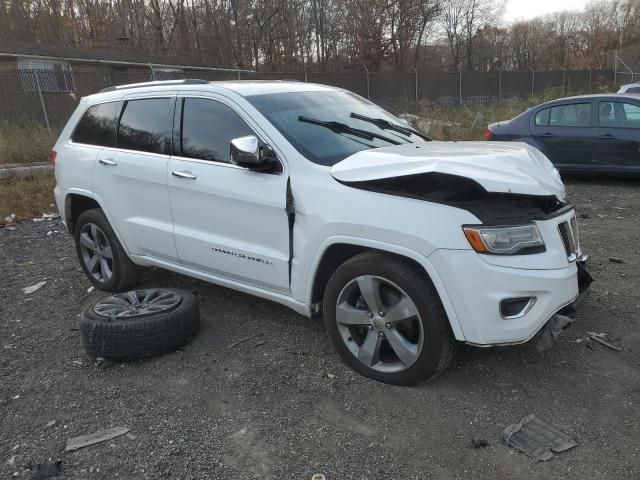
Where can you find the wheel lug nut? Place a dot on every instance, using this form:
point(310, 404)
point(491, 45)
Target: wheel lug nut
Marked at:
point(381, 334)
point(381, 313)
point(370, 315)
point(370, 327)
point(388, 325)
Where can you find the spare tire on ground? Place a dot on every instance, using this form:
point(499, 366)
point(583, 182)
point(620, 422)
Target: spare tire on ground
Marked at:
point(140, 323)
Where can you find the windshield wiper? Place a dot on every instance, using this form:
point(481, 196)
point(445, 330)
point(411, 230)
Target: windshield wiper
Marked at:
point(344, 128)
point(387, 125)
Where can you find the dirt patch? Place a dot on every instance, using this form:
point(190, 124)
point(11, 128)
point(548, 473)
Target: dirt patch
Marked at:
point(26, 197)
point(271, 411)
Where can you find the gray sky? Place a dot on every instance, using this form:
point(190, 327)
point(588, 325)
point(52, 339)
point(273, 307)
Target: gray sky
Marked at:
point(526, 9)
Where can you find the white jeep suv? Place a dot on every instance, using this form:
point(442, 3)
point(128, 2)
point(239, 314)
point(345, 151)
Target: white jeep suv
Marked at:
point(316, 198)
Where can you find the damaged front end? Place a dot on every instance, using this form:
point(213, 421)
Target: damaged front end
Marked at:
point(524, 275)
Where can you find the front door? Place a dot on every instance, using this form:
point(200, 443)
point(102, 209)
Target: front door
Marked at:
point(229, 221)
point(565, 133)
point(618, 136)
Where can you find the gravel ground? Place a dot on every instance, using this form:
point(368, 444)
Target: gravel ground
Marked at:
point(287, 408)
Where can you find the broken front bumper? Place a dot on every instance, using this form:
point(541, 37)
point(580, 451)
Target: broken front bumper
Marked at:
point(559, 322)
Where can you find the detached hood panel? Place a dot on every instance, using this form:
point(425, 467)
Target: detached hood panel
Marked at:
point(500, 167)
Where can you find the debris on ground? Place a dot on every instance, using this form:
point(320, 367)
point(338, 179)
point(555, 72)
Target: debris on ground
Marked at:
point(33, 288)
point(90, 289)
point(331, 376)
point(479, 442)
point(10, 219)
point(51, 423)
point(585, 215)
point(259, 343)
point(131, 436)
point(47, 469)
point(599, 337)
point(93, 438)
point(616, 260)
point(536, 438)
point(318, 476)
point(242, 340)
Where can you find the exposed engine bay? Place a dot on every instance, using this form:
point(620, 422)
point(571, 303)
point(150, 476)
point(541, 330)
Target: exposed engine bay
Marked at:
point(467, 194)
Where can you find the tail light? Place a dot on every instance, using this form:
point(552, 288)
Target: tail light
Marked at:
point(488, 134)
point(52, 157)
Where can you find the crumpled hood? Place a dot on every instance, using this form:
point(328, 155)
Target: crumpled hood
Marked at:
point(500, 167)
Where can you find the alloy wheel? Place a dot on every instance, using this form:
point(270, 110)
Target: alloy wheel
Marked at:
point(379, 324)
point(97, 253)
point(137, 302)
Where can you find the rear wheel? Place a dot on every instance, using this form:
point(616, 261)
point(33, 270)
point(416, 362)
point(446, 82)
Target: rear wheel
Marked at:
point(386, 320)
point(101, 255)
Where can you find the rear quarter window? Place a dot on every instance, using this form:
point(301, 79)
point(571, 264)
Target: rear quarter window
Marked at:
point(542, 118)
point(98, 125)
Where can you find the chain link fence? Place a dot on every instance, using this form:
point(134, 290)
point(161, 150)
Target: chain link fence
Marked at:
point(48, 97)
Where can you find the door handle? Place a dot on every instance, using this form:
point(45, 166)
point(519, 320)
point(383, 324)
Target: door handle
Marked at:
point(110, 162)
point(547, 134)
point(608, 136)
point(184, 175)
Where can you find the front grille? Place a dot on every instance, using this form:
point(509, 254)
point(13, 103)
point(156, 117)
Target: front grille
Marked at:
point(569, 234)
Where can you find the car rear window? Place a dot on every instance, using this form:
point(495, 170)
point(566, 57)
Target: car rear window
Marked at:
point(98, 125)
point(145, 125)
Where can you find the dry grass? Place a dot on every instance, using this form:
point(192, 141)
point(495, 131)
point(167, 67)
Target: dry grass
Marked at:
point(24, 143)
point(26, 197)
point(468, 122)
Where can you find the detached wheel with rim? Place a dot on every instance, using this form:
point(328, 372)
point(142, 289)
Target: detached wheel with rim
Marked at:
point(386, 320)
point(103, 259)
point(140, 323)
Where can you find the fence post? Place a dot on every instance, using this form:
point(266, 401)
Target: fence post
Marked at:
point(42, 104)
point(564, 72)
point(589, 79)
point(459, 87)
point(367, 73)
point(238, 72)
point(615, 68)
point(415, 76)
point(533, 80)
point(306, 80)
point(499, 86)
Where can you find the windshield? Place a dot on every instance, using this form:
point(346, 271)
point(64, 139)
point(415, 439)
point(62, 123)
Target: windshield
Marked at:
point(327, 127)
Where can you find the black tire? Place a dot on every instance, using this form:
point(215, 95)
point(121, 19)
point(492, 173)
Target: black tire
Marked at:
point(140, 335)
point(125, 273)
point(438, 344)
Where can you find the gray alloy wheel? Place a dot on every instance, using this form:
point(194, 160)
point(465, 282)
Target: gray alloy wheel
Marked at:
point(137, 303)
point(140, 323)
point(379, 324)
point(96, 252)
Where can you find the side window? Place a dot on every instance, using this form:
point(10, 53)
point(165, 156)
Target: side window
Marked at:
point(619, 115)
point(632, 115)
point(145, 125)
point(633, 90)
point(207, 129)
point(98, 125)
point(542, 118)
point(572, 115)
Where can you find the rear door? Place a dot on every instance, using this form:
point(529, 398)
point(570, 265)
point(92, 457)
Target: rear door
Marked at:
point(130, 178)
point(565, 133)
point(228, 220)
point(618, 136)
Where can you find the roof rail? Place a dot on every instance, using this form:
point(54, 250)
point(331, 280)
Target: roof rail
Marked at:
point(157, 82)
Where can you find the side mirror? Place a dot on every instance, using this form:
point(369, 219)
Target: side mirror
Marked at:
point(245, 151)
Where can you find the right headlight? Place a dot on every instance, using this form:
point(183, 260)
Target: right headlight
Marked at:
point(505, 240)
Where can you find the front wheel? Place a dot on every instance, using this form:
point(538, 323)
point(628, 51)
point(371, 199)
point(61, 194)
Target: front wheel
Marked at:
point(386, 320)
